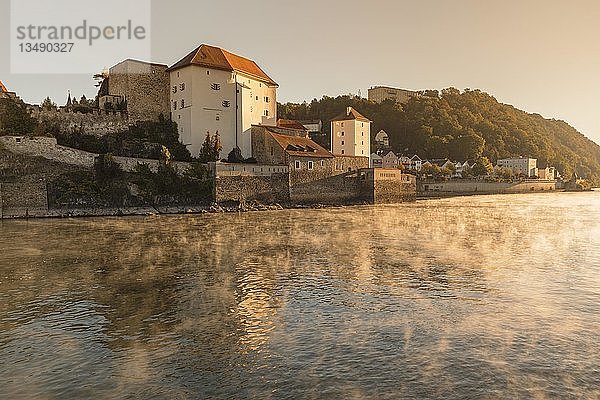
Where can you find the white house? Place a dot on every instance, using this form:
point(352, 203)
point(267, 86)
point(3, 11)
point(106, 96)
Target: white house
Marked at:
point(520, 165)
point(390, 160)
point(376, 161)
point(351, 134)
point(215, 91)
point(382, 139)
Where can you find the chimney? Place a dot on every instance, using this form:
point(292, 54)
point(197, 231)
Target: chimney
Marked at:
point(348, 110)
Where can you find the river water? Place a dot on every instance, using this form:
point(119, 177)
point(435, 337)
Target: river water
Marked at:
point(462, 298)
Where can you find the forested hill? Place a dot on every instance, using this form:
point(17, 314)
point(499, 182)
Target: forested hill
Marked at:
point(462, 126)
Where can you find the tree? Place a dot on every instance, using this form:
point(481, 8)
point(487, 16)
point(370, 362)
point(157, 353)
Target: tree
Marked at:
point(48, 105)
point(211, 148)
point(15, 119)
point(483, 167)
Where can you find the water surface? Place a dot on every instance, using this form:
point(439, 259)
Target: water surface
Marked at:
point(472, 297)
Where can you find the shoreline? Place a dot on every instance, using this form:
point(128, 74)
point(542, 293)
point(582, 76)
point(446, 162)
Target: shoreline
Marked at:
point(222, 209)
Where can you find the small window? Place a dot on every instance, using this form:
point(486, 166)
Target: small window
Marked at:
point(174, 105)
point(342, 124)
point(266, 99)
point(179, 116)
point(342, 152)
point(215, 86)
point(207, 72)
point(342, 142)
point(266, 113)
point(310, 165)
point(218, 118)
point(182, 86)
point(182, 103)
point(297, 164)
point(174, 89)
point(178, 74)
point(342, 133)
point(272, 151)
point(256, 98)
point(226, 103)
point(362, 143)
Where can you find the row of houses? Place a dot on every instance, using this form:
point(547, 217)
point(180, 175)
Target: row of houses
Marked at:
point(520, 166)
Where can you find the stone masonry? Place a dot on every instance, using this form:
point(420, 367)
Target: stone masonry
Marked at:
point(145, 87)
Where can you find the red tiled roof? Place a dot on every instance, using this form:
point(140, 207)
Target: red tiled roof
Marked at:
point(300, 146)
point(290, 124)
point(3, 88)
point(351, 114)
point(217, 58)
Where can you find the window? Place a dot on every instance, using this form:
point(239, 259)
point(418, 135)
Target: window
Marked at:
point(226, 103)
point(182, 103)
point(272, 151)
point(310, 165)
point(266, 113)
point(174, 89)
point(256, 98)
point(178, 74)
point(175, 105)
point(182, 86)
point(297, 164)
point(207, 72)
point(342, 152)
point(266, 99)
point(362, 134)
point(342, 142)
point(362, 143)
point(179, 116)
point(215, 86)
point(342, 124)
point(218, 118)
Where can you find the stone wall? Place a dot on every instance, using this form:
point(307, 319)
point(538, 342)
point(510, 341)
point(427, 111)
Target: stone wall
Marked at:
point(382, 186)
point(19, 200)
point(249, 182)
point(429, 188)
point(96, 123)
point(243, 188)
point(343, 188)
point(144, 86)
point(47, 148)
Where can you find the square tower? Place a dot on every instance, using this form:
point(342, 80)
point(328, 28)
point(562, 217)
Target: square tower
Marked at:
point(351, 134)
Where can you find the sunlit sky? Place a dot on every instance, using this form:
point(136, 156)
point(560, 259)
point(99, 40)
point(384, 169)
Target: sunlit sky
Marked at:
point(542, 56)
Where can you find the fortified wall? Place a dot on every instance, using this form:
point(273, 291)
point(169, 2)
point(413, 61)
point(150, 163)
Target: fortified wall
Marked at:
point(96, 123)
point(249, 182)
point(18, 200)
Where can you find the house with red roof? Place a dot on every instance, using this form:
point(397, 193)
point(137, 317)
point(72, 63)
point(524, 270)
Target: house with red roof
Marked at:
point(214, 91)
point(5, 94)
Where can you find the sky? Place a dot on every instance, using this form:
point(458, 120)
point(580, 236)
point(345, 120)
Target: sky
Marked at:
point(542, 56)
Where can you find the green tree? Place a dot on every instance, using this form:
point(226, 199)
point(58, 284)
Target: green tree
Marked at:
point(483, 167)
point(15, 119)
point(48, 105)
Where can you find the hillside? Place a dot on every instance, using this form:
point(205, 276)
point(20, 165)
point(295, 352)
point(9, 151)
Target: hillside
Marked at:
point(464, 125)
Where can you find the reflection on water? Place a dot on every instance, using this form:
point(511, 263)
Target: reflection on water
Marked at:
point(480, 297)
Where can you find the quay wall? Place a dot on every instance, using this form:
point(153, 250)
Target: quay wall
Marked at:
point(19, 200)
point(428, 188)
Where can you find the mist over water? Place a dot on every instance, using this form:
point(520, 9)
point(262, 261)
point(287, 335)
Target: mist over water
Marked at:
point(472, 297)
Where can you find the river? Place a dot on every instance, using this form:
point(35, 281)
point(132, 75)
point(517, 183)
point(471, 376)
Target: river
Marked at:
point(461, 298)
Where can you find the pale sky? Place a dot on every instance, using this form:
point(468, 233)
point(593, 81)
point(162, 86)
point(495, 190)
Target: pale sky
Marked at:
point(542, 56)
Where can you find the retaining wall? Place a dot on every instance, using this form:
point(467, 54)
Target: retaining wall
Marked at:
point(481, 187)
point(19, 200)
